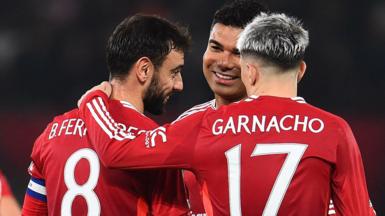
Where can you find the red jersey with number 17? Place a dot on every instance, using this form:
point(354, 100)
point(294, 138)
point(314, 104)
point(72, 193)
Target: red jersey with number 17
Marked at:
point(68, 174)
point(262, 156)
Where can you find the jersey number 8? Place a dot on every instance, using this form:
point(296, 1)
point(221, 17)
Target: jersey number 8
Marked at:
point(87, 189)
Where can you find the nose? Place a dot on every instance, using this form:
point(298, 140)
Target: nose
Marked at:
point(226, 61)
point(178, 83)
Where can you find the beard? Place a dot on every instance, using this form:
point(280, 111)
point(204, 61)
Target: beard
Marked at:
point(154, 98)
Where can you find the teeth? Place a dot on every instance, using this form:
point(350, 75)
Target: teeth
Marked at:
point(224, 76)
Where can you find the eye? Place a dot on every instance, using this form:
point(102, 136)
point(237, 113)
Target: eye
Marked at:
point(174, 73)
point(236, 52)
point(215, 48)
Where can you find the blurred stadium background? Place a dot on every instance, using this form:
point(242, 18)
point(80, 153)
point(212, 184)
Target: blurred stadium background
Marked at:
point(51, 52)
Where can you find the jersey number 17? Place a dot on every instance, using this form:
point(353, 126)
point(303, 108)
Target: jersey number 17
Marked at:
point(294, 153)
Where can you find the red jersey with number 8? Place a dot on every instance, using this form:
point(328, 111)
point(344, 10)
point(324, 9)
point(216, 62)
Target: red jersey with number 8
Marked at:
point(68, 175)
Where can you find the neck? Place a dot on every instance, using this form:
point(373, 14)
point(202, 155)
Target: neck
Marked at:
point(125, 91)
point(221, 101)
point(283, 85)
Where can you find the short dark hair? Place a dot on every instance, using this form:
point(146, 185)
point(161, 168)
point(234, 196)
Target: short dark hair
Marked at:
point(143, 36)
point(238, 13)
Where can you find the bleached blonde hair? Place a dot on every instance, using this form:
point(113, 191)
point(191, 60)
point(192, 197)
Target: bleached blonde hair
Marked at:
point(275, 37)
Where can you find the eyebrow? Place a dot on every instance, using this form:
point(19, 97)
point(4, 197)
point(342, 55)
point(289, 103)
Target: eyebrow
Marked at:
point(177, 67)
point(235, 50)
point(216, 43)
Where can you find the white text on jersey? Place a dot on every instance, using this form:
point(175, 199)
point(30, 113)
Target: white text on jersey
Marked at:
point(73, 126)
point(254, 123)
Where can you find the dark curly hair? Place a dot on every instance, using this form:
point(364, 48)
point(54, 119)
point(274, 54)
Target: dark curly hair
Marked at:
point(143, 36)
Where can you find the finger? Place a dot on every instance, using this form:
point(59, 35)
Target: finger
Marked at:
point(103, 86)
point(107, 88)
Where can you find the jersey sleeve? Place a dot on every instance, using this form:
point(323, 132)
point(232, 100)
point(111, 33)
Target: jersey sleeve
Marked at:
point(166, 146)
point(35, 199)
point(349, 190)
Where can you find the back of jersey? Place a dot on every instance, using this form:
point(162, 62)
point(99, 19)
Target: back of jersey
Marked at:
point(270, 155)
point(68, 170)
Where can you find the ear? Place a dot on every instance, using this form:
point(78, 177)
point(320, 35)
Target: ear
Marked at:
point(253, 75)
point(301, 72)
point(144, 69)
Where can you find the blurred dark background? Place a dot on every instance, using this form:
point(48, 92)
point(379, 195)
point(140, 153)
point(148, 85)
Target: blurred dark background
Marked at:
point(51, 52)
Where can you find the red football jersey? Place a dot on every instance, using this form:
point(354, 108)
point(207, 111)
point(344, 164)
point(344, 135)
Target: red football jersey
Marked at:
point(69, 175)
point(262, 156)
point(195, 193)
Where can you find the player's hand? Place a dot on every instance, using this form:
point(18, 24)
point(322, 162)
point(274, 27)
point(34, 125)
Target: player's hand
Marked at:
point(104, 87)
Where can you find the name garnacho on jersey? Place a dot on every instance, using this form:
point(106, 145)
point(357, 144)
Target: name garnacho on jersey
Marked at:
point(263, 155)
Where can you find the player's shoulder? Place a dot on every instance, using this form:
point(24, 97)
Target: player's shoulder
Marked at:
point(43, 139)
point(326, 114)
point(126, 113)
point(69, 114)
point(197, 109)
point(72, 114)
point(293, 105)
point(332, 119)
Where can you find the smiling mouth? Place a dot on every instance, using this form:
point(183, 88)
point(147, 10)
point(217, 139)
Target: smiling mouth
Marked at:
point(224, 76)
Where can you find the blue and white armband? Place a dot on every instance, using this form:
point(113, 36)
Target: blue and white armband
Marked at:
point(36, 189)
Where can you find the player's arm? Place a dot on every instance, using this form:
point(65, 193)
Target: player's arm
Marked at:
point(168, 194)
point(8, 203)
point(193, 188)
point(166, 146)
point(350, 194)
point(35, 199)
